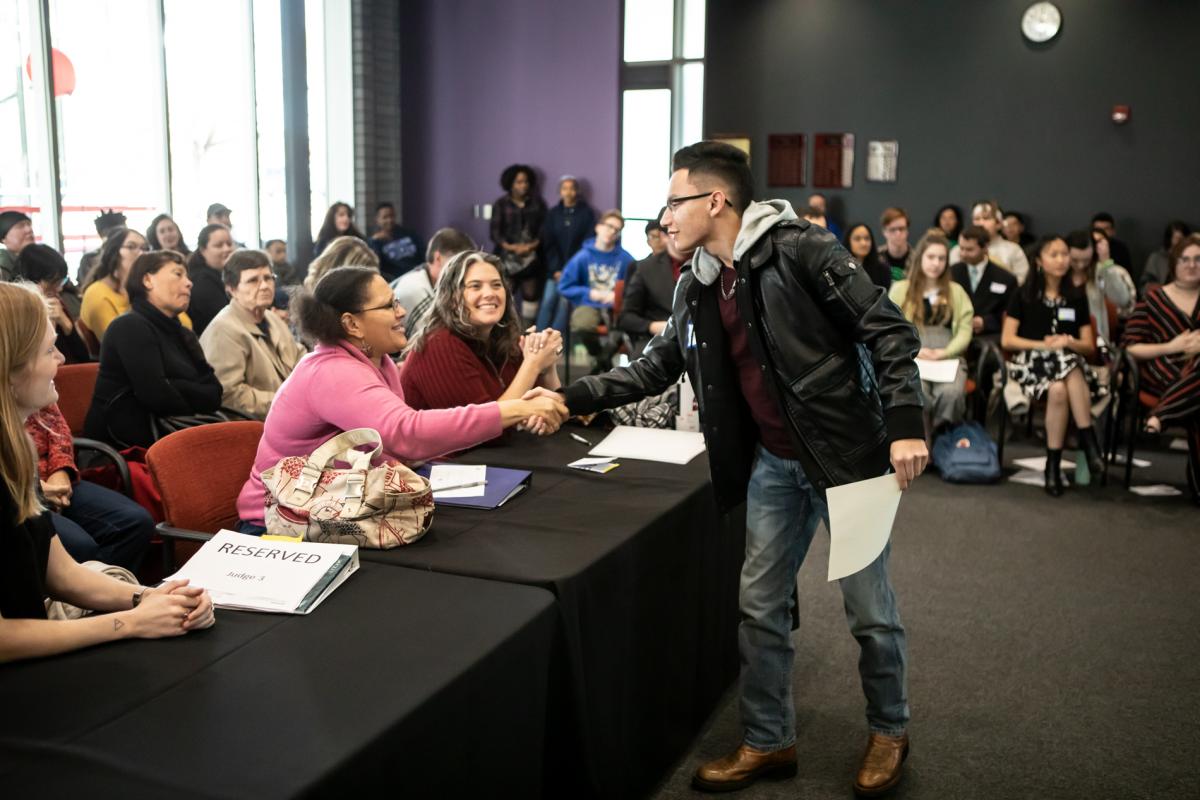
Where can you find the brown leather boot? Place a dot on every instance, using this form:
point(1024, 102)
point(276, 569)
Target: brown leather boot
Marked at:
point(743, 767)
point(882, 765)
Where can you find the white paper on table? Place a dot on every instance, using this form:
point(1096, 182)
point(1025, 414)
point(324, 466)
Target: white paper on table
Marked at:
point(592, 462)
point(1038, 463)
point(860, 522)
point(941, 371)
point(1156, 490)
point(1031, 477)
point(651, 444)
point(458, 480)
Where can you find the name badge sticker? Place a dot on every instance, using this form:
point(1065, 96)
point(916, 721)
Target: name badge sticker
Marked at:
point(1066, 314)
point(691, 336)
point(998, 288)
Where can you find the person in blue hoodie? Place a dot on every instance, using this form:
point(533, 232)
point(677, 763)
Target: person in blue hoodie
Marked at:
point(590, 278)
point(567, 225)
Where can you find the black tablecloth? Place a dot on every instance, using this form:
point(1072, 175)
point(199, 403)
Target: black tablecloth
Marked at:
point(645, 571)
point(402, 682)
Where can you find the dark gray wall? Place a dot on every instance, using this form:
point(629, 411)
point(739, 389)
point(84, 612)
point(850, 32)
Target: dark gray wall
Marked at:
point(977, 111)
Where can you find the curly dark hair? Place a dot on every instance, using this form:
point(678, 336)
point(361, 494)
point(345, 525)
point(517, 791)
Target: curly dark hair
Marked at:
point(509, 176)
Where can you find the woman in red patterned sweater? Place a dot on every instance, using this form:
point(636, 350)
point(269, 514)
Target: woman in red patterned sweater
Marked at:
point(469, 347)
point(92, 522)
point(1164, 335)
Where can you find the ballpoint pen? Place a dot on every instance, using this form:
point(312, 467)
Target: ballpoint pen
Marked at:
point(580, 439)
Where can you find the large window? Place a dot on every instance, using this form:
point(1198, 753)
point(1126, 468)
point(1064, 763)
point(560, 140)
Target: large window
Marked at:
point(662, 102)
point(166, 106)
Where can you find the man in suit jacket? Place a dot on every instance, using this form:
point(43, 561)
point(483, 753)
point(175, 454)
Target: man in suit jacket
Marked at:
point(648, 294)
point(989, 286)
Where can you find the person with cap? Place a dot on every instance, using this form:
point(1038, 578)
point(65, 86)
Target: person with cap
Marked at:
point(218, 214)
point(16, 233)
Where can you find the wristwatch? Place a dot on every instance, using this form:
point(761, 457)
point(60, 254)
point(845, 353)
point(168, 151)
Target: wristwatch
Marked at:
point(137, 596)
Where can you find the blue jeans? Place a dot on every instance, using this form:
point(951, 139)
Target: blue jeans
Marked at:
point(552, 313)
point(103, 525)
point(782, 513)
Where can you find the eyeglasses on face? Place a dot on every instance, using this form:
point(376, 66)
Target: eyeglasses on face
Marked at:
point(673, 203)
point(394, 305)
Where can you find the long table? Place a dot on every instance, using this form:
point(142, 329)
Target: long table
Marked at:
point(645, 572)
point(403, 683)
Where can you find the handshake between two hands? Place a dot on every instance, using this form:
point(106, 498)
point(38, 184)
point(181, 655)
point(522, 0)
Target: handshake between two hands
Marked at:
point(547, 411)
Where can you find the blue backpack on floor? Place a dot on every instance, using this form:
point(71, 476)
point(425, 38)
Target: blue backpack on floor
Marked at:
point(976, 462)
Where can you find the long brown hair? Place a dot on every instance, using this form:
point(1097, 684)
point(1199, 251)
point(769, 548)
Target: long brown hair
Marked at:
point(914, 300)
point(23, 321)
point(449, 311)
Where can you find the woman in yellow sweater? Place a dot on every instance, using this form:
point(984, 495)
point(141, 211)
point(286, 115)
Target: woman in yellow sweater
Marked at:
point(104, 297)
point(942, 313)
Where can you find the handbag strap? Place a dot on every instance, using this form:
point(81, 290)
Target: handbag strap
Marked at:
point(343, 445)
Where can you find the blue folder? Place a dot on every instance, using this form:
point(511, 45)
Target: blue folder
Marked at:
point(502, 486)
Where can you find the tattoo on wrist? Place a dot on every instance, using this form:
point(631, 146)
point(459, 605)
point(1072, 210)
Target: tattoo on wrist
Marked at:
point(117, 624)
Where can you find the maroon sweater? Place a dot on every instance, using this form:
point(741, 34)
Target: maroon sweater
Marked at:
point(772, 430)
point(446, 373)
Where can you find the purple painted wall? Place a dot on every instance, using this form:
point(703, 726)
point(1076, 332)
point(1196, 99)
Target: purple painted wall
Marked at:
point(485, 84)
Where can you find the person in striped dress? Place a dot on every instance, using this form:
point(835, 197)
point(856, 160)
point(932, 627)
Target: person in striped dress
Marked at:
point(1164, 336)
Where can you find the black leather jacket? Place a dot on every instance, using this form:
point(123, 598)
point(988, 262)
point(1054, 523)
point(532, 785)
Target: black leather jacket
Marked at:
point(810, 312)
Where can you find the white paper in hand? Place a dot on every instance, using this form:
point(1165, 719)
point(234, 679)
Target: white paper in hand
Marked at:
point(860, 522)
point(943, 371)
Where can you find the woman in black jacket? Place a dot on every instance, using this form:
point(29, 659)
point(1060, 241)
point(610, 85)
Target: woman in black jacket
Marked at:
point(150, 365)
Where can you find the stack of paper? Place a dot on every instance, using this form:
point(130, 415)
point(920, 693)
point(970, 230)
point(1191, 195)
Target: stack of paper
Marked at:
point(651, 444)
point(458, 480)
point(601, 464)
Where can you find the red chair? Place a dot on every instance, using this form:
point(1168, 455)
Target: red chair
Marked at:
point(200, 472)
point(89, 338)
point(76, 383)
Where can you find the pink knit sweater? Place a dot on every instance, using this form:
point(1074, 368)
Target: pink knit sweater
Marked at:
point(336, 389)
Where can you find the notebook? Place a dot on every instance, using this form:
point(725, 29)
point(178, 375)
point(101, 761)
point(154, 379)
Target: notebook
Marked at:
point(502, 485)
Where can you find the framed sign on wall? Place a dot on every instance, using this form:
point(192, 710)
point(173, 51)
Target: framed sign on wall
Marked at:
point(882, 160)
point(785, 159)
point(833, 160)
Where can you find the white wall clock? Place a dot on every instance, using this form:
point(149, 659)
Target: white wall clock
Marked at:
point(1041, 23)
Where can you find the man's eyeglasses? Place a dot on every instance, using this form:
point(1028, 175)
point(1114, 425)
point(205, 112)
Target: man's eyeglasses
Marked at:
point(394, 305)
point(674, 203)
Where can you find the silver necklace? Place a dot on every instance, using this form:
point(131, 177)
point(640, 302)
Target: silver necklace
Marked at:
point(728, 295)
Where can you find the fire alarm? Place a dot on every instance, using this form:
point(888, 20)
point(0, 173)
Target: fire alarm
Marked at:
point(1121, 114)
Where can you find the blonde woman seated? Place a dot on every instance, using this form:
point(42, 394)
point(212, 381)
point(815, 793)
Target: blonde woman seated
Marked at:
point(469, 347)
point(344, 251)
point(33, 563)
point(942, 313)
point(251, 350)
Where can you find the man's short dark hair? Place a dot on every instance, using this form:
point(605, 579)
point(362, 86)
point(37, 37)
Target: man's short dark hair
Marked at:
point(1017, 215)
point(721, 162)
point(270, 242)
point(976, 234)
point(1080, 240)
point(1104, 216)
point(385, 204)
point(107, 221)
point(241, 261)
point(653, 226)
point(40, 262)
point(449, 242)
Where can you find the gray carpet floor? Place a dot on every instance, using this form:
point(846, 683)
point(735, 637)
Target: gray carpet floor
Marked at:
point(1054, 649)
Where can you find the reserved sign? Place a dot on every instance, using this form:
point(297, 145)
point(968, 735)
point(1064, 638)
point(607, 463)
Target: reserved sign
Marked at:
point(245, 572)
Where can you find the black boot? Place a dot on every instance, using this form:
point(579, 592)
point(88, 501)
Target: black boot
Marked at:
point(1091, 449)
point(1054, 479)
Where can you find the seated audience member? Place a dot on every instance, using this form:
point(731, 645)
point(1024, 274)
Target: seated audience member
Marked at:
point(106, 223)
point(1120, 251)
point(656, 237)
point(280, 306)
point(1157, 270)
point(213, 248)
point(42, 265)
point(16, 233)
point(164, 234)
point(94, 523)
point(349, 382)
point(339, 221)
point(1164, 336)
point(150, 365)
point(33, 563)
point(469, 347)
point(414, 289)
point(590, 278)
point(1013, 229)
point(518, 218)
point(286, 273)
point(989, 287)
point(104, 297)
point(251, 350)
point(220, 214)
point(987, 215)
point(399, 249)
point(894, 253)
point(860, 242)
point(344, 251)
point(1100, 280)
point(941, 311)
point(650, 293)
point(567, 225)
point(1049, 332)
point(814, 216)
point(820, 207)
point(949, 220)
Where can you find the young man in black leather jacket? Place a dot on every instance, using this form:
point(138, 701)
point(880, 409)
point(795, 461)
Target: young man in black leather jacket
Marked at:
point(774, 323)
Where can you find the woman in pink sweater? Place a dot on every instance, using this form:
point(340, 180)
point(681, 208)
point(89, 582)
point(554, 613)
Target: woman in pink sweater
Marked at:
point(349, 381)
